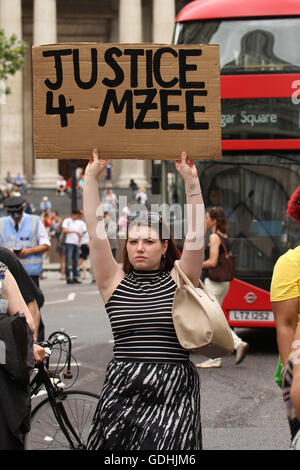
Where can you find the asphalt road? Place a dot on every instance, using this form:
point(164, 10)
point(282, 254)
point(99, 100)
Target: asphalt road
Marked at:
point(241, 406)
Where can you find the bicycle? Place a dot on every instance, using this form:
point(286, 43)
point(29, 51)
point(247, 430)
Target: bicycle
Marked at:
point(63, 420)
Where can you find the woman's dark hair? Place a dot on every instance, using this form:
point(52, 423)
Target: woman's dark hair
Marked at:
point(146, 219)
point(218, 214)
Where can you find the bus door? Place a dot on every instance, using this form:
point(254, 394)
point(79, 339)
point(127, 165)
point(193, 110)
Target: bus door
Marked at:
point(253, 191)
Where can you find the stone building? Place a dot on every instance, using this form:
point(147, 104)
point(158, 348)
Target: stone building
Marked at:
point(56, 21)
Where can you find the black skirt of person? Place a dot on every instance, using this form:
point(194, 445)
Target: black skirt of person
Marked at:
point(148, 406)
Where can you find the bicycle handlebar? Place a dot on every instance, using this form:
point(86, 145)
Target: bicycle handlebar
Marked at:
point(59, 337)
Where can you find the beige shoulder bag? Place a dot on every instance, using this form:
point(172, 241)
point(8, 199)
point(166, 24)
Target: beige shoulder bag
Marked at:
point(199, 321)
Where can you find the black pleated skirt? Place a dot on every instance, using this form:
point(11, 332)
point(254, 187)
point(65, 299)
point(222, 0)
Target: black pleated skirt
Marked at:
point(148, 406)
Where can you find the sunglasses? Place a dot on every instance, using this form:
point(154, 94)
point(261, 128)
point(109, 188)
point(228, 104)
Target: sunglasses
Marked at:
point(152, 217)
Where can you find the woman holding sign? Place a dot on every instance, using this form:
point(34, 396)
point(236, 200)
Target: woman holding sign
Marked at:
point(151, 395)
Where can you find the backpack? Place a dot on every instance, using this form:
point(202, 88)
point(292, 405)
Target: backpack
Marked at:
point(17, 348)
point(62, 237)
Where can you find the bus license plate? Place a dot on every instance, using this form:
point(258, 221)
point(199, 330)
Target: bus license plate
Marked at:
point(251, 315)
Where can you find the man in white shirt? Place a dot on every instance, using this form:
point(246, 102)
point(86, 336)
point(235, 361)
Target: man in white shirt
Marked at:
point(61, 186)
point(74, 228)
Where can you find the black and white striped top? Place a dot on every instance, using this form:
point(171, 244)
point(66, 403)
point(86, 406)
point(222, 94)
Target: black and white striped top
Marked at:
point(140, 313)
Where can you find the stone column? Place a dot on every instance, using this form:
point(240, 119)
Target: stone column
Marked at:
point(163, 26)
point(130, 21)
point(45, 32)
point(11, 107)
point(163, 21)
point(130, 31)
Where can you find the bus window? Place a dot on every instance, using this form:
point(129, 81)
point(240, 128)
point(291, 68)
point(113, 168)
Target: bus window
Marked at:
point(247, 46)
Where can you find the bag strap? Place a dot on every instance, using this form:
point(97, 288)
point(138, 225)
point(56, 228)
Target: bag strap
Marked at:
point(182, 274)
point(179, 273)
point(224, 245)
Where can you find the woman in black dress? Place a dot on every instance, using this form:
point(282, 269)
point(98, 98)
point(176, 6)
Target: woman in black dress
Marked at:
point(216, 222)
point(151, 394)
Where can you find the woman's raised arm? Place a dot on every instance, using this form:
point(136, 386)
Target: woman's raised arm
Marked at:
point(105, 267)
point(193, 249)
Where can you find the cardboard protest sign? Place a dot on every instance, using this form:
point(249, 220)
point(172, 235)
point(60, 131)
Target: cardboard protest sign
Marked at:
point(141, 101)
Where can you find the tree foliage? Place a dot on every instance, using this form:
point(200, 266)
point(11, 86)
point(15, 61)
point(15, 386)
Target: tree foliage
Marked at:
point(12, 52)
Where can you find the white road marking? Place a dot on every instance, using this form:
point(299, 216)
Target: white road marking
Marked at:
point(62, 384)
point(88, 292)
point(40, 394)
point(70, 298)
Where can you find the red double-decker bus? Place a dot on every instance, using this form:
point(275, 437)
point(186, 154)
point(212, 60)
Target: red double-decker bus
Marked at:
point(260, 166)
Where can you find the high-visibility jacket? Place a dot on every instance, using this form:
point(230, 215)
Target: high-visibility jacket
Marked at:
point(25, 237)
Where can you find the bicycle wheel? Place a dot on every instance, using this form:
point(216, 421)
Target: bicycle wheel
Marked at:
point(45, 432)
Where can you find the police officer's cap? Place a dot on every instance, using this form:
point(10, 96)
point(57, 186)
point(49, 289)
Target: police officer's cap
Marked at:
point(14, 203)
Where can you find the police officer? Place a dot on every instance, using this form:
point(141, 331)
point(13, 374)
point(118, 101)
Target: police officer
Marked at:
point(26, 236)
